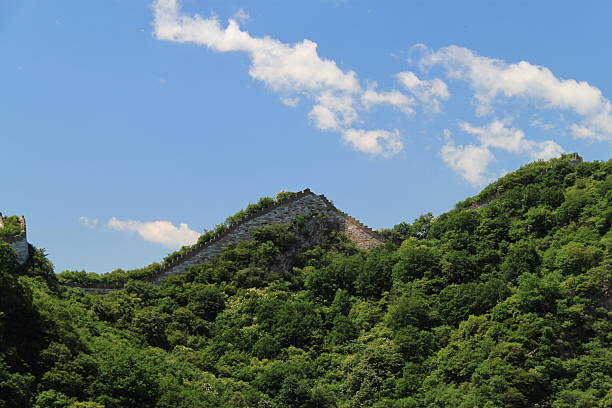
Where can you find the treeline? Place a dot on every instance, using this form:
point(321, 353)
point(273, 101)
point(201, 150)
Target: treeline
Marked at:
point(502, 302)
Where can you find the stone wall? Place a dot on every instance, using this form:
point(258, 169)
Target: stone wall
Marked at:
point(22, 249)
point(360, 235)
point(302, 203)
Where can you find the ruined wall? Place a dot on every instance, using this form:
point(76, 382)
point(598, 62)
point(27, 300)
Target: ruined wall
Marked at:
point(22, 249)
point(302, 203)
point(361, 235)
point(18, 242)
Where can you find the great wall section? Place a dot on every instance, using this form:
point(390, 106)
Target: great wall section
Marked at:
point(282, 212)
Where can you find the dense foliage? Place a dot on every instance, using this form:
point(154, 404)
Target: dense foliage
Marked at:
point(12, 227)
point(501, 302)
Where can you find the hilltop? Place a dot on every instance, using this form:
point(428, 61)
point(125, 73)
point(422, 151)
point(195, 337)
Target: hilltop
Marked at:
point(502, 302)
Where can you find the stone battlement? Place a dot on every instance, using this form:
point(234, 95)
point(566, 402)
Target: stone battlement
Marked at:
point(282, 212)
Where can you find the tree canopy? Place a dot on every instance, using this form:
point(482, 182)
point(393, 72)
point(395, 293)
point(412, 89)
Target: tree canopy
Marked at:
point(502, 302)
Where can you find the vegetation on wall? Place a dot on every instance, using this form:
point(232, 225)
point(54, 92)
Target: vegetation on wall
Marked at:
point(500, 302)
point(12, 227)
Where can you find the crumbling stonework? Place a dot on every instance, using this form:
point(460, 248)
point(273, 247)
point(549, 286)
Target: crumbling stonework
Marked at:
point(303, 203)
point(285, 211)
point(356, 232)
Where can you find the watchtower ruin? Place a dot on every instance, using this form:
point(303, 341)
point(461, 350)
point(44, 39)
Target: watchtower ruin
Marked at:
point(18, 241)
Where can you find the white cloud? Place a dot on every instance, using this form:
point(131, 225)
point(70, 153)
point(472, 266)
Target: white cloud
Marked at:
point(291, 102)
point(323, 118)
point(241, 16)
point(294, 70)
point(333, 112)
point(471, 161)
point(597, 127)
point(493, 78)
point(338, 101)
point(375, 142)
point(161, 232)
point(541, 124)
point(499, 135)
point(88, 222)
point(396, 99)
point(295, 67)
point(431, 93)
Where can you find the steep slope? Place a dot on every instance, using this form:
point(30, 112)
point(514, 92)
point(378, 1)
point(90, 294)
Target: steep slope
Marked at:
point(502, 302)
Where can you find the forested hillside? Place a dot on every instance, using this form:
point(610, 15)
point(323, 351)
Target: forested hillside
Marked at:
point(502, 302)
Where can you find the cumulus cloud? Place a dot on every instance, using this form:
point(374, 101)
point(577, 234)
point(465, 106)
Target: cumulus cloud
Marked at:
point(333, 112)
point(291, 102)
point(430, 93)
point(161, 232)
point(281, 66)
point(492, 79)
point(88, 222)
point(396, 99)
point(538, 123)
point(241, 16)
point(500, 135)
point(291, 69)
point(472, 161)
point(338, 101)
point(375, 142)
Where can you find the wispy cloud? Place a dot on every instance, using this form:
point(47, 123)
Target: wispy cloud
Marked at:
point(471, 161)
point(161, 232)
point(493, 82)
point(292, 70)
point(379, 142)
point(291, 102)
point(241, 16)
point(88, 222)
point(431, 93)
point(340, 102)
point(500, 134)
point(492, 79)
point(398, 100)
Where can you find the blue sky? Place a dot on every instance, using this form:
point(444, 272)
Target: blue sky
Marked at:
point(128, 127)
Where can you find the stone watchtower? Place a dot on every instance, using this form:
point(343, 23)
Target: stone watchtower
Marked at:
point(19, 242)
